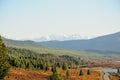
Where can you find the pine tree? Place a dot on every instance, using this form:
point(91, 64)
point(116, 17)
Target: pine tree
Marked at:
point(118, 70)
point(56, 75)
point(4, 67)
point(54, 69)
point(64, 66)
point(47, 67)
point(81, 73)
point(67, 73)
point(88, 72)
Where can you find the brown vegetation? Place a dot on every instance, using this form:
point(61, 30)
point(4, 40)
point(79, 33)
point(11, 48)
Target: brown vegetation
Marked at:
point(109, 63)
point(113, 76)
point(22, 74)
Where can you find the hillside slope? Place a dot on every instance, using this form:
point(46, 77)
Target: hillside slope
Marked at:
point(109, 42)
point(19, 43)
point(37, 47)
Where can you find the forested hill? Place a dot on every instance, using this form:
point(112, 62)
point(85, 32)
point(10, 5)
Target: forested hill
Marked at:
point(109, 42)
point(37, 47)
point(18, 43)
point(25, 58)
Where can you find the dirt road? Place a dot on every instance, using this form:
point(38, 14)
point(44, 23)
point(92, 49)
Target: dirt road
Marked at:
point(106, 76)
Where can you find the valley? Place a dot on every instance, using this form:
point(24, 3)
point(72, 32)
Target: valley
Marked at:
point(31, 60)
point(59, 39)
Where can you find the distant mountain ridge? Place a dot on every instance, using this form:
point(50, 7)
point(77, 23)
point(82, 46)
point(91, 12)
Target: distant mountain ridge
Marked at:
point(109, 42)
point(18, 43)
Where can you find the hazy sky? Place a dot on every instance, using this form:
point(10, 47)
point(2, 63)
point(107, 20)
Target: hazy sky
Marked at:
point(21, 19)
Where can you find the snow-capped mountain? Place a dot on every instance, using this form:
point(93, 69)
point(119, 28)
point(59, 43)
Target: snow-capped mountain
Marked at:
point(58, 38)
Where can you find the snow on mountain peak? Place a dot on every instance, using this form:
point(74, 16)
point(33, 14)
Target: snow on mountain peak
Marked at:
point(59, 37)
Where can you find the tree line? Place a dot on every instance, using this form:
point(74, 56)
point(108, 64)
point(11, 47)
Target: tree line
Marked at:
point(25, 58)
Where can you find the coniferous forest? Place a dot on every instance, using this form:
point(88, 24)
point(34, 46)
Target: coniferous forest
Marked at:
point(24, 58)
point(4, 66)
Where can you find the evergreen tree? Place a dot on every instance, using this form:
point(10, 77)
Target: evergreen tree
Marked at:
point(4, 66)
point(54, 69)
point(88, 72)
point(64, 66)
point(56, 76)
point(67, 73)
point(118, 70)
point(47, 67)
point(81, 73)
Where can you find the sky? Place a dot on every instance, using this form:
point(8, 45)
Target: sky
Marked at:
point(25, 19)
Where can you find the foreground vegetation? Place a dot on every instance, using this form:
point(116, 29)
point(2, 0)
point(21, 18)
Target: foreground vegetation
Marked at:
point(25, 74)
point(4, 66)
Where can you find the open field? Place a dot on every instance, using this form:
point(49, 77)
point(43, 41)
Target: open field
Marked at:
point(22, 74)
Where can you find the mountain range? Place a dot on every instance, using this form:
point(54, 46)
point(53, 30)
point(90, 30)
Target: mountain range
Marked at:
point(109, 42)
point(39, 48)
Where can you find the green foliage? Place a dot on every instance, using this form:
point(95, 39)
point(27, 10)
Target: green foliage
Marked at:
point(56, 75)
point(47, 67)
point(71, 59)
point(64, 66)
point(4, 66)
point(58, 64)
point(67, 73)
point(81, 73)
point(88, 72)
point(54, 69)
point(24, 58)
